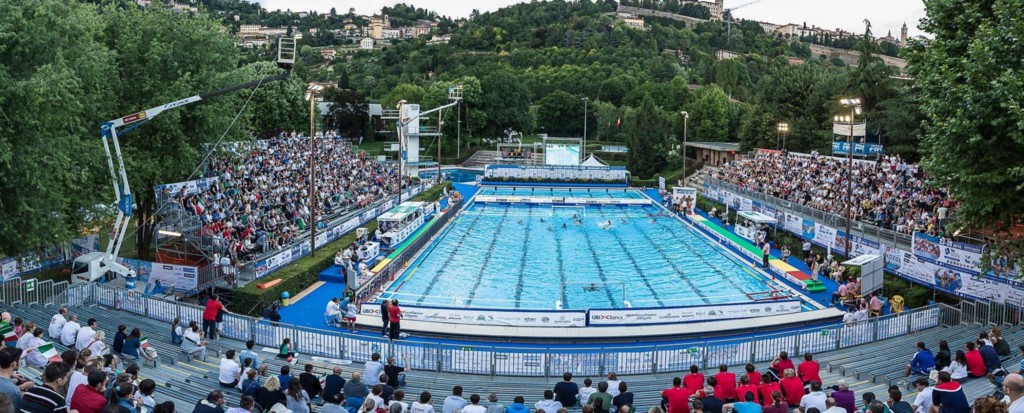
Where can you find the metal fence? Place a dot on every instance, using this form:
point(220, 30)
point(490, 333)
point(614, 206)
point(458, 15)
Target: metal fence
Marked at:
point(858, 228)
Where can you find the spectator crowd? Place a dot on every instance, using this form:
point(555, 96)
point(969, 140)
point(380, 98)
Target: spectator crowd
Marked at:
point(260, 201)
point(889, 193)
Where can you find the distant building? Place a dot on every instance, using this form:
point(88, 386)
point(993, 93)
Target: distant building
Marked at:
point(249, 30)
point(716, 8)
point(725, 54)
point(390, 34)
point(377, 26)
point(328, 53)
point(439, 39)
point(366, 43)
point(634, 22)
point(903, 35)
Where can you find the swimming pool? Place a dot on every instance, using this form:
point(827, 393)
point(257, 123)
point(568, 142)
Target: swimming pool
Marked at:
point(454, 174)
point(535, 256)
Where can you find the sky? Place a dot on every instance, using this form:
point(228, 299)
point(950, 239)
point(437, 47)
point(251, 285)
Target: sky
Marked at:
point(848, 15)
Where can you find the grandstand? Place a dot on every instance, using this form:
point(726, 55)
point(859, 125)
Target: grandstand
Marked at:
point(872, 366)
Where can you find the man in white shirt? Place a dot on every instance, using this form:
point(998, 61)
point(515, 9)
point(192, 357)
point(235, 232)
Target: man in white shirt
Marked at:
point(474, 405)
point(923, 401)
point(69, 333)
point(86, 334)
point(57, 323)
point(816, 398)
point(191, 342)
point(832, 408)
point(332, 309)
point(1013, 386)
point(372, 370)
point(80, 377)
point(453, 403)
point(548, 404)
point(229, 370)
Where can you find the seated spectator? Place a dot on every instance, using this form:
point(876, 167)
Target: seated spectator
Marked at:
point(623, 399)
point(248, 353)
point(989, 356)
point(673, 400)
point(69, 332)
point(1001, 345)
point(332, 404)
point(251, 383)
point(86, 334)
point(355, 388)
point(725, 384)
point(48, 398)
point(566, 391)
point(297, 399)
point(922, 362)
point(587, 390)
point(424, 405)
point(286, 351)
point(748, 405)
point(119, 337)
point(34, 357)
point(333, 384)
point(752, 375)
point(270, 394)
point(375, 396)
point(192, 342)
point(372, 370)
point(57, 324)
point(948, 396)
point(712, 403)
point(943, 356)
point(97, 345)
point(767, 387)
point(285, 377)
point(455, 402)
point(815, 399)
point(310, 382)
point(779, 365)
point(808, 370)
point(747, 386)
point(831, 407)
point(245, 405)
point(229, 369)
point(396, 373)
point(792, 388)
point(869, 398)
point(777, 403)
point(213, 403)
point(474, 405)
point(958, 368)
point(123, 395)
point(601, 399)
point(693, 381)
point(975, 363)
point(492, 403)
point(844, 397)
point(896, 403)
point(88, 397)
point(613, 386)
point(177, 331)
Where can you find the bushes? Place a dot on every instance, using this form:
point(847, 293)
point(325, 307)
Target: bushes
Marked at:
point(303, 273)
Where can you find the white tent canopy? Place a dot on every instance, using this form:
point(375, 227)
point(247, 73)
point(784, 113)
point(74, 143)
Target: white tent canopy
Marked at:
point(758, 217)
point(593, 161)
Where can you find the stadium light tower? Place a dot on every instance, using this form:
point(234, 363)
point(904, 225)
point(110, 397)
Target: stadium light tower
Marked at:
point(584, 152)
point(783, 128)
point(853, 104)
point(686, 121)
point(312, 92)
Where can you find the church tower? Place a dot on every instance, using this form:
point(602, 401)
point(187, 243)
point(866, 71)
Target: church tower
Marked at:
point(903, 35)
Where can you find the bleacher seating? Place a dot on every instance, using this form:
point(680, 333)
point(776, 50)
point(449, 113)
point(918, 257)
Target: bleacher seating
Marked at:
point(873, 367)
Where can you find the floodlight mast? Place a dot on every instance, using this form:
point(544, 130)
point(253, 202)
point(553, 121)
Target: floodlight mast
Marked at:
point(115, 161)
point(454, 95)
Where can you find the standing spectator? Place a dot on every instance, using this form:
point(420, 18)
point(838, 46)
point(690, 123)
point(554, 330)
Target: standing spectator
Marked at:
point(922, 362)
point(923, 401)
point(394, 319)
point(385, 317)
point(396, 374)
point(228, 376)
point(675, 399)
point(57, 324)
point(372, 370)
point(949, 397)
point(213, 403)
point(424, 405)
point(69, 332)
point(726, 384)
point(566, 391)
point(1013, 386)
point(298, 399)
point(693, 381)
point(844, 397)
point(88, 397)
point(588, 390)
point(333, 384)
point(492, 404)
point(455, 402)
point(119, 338)
point(896, 403)
point(975, 363)
point(192, 343)
point(49, 397)
point(310, 382)
point(813, 400)
point(214, 308)
point(85, 335)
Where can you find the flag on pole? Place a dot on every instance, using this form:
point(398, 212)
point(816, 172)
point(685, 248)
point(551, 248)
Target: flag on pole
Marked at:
point(50, 353)
point(618, 122)
point(8, 333)
point(144, 343)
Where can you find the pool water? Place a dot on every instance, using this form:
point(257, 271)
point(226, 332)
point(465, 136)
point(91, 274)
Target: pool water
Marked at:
point(532, 256)
point(454, 174)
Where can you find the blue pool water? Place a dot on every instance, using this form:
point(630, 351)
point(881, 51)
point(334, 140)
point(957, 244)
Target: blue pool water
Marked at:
point(454, 174)
point(521, 256)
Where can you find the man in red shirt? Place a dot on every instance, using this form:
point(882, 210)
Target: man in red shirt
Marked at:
point(677, 398)
point(767, 387)
point(694, 381)
point(792, 387)
point(89, 398)
point(755, 379)
point(809, 370)
point(975, 364)
point(726, 386)
point(394, 318)
point(780, 364)
point(746, 386)
point(213, 308)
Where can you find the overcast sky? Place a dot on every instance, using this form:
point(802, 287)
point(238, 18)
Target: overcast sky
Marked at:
point(849, 15)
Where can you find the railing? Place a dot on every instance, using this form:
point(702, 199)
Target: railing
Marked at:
point(858, 228)
point(512, 360)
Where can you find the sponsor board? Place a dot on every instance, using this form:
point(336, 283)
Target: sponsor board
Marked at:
point(688, 314)
point(488, 318)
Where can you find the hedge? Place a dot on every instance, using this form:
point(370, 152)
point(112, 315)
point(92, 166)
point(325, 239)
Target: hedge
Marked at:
point(303, 273)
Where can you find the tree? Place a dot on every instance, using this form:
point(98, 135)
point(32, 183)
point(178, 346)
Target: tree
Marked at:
point(971, 77)
point(709, 116)
point(561, 114)
point(408, 92)
point(506, 101)
point(646, 131)
point(348, 113)
point(277, 106)
point(55, 89)
point(157, 62)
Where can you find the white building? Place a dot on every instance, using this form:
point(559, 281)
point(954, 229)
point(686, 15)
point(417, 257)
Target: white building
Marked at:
point(366, 43)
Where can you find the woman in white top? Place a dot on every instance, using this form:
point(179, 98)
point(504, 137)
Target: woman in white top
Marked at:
point(34, 357)
point(958, 367)
point(97, 345)
point(23, 341)
point(228, 375)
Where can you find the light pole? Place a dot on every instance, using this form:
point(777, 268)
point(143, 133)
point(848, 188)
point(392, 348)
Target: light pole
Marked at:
point(311, 94)
point(783, 128)
point(854, 105)
point(686, 121)
point(458, 133)
point(401, 149)
point(584, 151)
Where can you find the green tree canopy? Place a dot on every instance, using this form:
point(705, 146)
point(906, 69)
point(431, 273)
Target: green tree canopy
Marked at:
point(647, 131)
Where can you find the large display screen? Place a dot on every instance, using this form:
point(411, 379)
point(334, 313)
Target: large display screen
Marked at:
point(561, 154)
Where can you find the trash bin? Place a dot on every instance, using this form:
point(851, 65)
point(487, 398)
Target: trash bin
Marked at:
point(129, 283)
point(286, 299)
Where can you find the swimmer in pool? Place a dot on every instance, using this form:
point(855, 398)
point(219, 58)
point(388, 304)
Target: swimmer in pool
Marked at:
point(592, 287)
point(542, 220)
point(563, 225)
point(623, 220)
point(520, 222)
point(605, 225)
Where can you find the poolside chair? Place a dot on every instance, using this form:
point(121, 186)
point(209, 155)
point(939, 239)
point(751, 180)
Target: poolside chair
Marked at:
point(896, 304)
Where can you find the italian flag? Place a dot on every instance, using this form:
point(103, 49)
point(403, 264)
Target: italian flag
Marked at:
point(50, 353)
point(144, 343)
point(8, 332)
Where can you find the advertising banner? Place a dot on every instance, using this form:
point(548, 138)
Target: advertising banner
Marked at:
point(188, 187)
point(8, 268)
point(748, 233)
point(807, 229)
point(792, 223)
point(631, 316)
point(951, 254)
point(859, 149)
point(182, 277)
point(488, 317)
point(824, 235)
